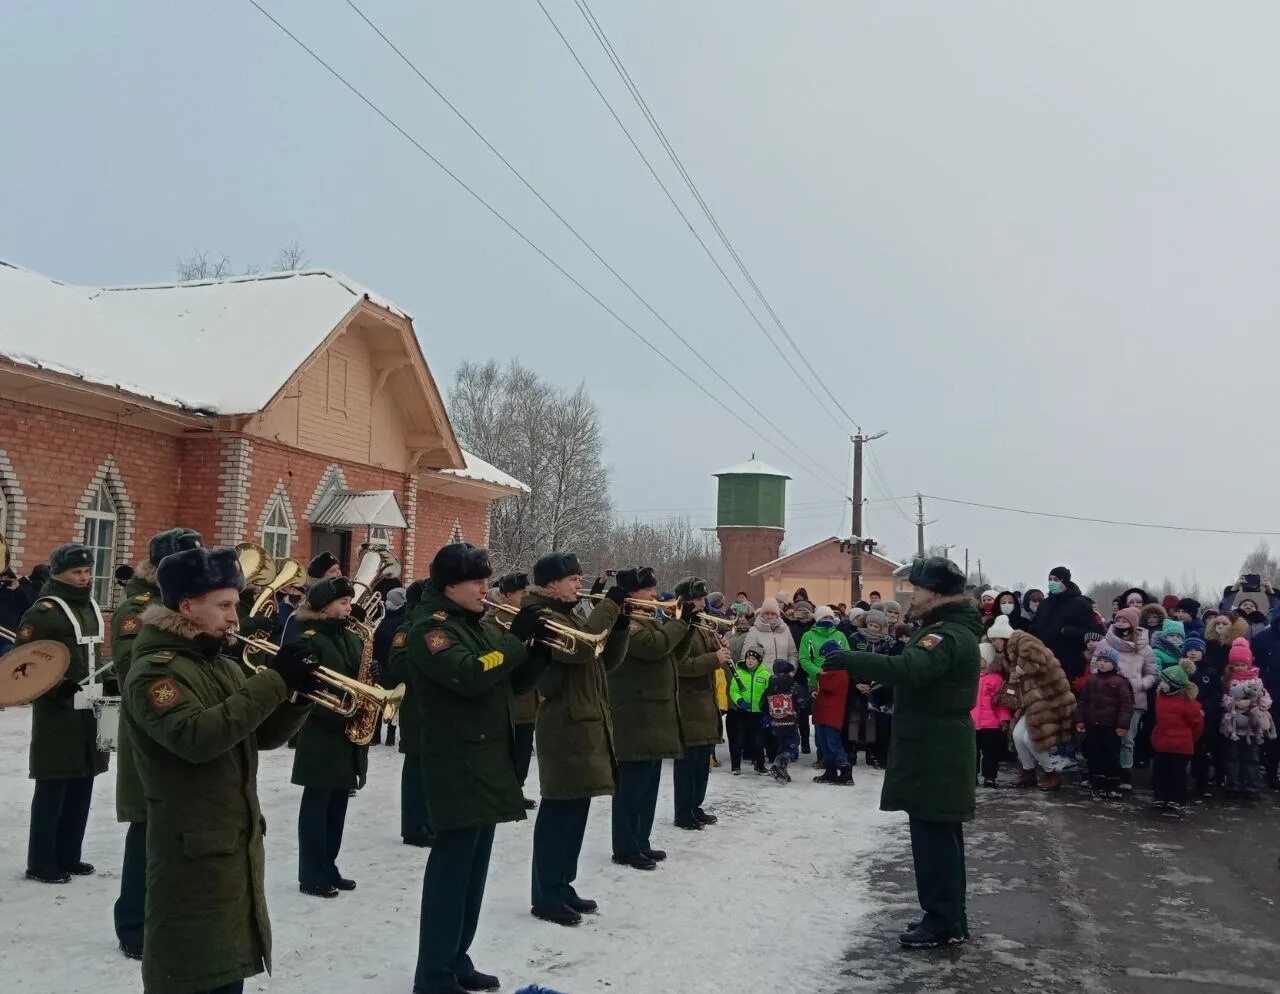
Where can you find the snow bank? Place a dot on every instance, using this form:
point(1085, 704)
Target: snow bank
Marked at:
point(765, 901)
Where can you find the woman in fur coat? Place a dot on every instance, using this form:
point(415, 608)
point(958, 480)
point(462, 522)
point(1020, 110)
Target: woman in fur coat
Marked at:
point(1046, 708)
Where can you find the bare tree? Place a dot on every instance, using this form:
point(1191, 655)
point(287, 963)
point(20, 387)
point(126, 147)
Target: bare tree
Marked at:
point(1261, 561)
point(292, 256)
point(674, 547)
point(203, 266)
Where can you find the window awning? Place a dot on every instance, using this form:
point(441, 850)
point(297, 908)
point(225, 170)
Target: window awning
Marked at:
point(359, 509)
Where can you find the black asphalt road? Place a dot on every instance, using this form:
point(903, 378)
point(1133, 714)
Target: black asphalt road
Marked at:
point(1070, 895)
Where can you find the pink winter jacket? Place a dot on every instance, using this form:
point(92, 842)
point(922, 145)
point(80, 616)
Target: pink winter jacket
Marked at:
point(985, 714)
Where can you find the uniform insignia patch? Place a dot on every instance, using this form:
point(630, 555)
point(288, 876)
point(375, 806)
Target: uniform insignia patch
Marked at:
point(162, 657)
point(491, 659)
point(438, 640)
point(439, 616)
point(26, 631)
point(633, 627)
point(44, 605)
point(129, 627)
point(400, 639)
point(930, 642)
point(308, 633)
point(164, 694)
point(144, 598)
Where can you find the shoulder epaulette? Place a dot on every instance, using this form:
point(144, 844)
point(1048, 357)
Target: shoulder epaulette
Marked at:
point(44, 605)
point(163, 656)
point(439, 616)
point(308, 633)
point(144, 598)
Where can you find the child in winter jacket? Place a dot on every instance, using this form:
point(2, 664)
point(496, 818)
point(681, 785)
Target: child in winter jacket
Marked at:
point(991, 720)
point(1246, 725)
point(824, 630)
point(781, 704)
point(863, 729)
point(746, 689)
point(1179, 722)
point(1167, 643)
point(1104, 714)
point(828, 722)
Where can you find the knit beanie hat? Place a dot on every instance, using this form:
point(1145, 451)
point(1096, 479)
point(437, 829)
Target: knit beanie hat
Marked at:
point(754, 653)
point(878, 617)
point(1060, 573)
point(1108, 653)
point(715, 602)
point(1169, 602)
point(397, 597)
point(1190, 605)
point(1166, 648)
point(1130, 614)
point(1240, 653)
point(987, 651)
point(781, 667)
point(855, 613)
point(1173, 679)
point(1195, 643)
point(887, 606)
point(990, 595)
point(824, 613)
point(769, 604)
point(1000, 628)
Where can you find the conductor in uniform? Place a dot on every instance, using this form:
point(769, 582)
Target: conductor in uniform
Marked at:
point(932, 754)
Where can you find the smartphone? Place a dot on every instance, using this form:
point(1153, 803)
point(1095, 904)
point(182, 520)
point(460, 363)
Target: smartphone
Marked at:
point(1252, 582)
point(611, 572)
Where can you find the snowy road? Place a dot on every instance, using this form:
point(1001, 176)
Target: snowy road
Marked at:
point(763, 901)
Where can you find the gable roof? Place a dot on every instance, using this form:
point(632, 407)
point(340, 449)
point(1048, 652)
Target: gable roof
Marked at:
point(781, 560)
point(210, 346)
point(752, 467)
point(476, 473)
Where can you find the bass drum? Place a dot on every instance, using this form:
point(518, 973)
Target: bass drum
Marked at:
point(107, 712)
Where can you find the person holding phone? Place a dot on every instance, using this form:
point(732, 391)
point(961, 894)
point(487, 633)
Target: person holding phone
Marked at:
point(1253, 598)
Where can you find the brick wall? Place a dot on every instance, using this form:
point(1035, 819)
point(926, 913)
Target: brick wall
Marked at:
point(436, 521)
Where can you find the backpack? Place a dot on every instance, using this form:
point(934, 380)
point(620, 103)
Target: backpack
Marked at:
point(782, 709)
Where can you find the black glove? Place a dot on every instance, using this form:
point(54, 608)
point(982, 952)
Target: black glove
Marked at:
point(598, 586)
point(616, 594)
point(358, 612)
point(262, 626)
point(296, 665)
point(528, 624)
point(687, 610)
point(66, 689)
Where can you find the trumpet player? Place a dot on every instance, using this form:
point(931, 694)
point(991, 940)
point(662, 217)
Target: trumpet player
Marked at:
point(575, 741)
point(704, 656)
point(326, 764)
point(131, 804)
point(465, 677)
point(512, 588)
point(415, 819)
point(196, 721)
point(646, 719)
point(64, 740)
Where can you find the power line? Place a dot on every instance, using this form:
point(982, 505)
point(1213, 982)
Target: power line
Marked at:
point(684, 217)
point(516, 231)
point(883, 483)
point(616, 59)
point(1100, 521)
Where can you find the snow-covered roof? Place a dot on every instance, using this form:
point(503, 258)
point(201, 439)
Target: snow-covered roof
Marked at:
point(220, 346)
point(483, 472)
point(752, 467)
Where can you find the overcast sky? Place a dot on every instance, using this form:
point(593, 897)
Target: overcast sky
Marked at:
point(1037, 243)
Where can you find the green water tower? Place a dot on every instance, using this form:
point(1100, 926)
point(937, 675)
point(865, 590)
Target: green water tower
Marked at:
point(751, 506)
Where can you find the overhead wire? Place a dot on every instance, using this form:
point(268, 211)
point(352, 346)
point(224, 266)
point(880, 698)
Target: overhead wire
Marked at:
point(1102, 521)
point(520, 234)
point(585, 9)
point(679, 210)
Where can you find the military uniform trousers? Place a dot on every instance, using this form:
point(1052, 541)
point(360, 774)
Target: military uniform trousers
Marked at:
point(131, 906)
point(452, 892)
point(59, 813)
point(937, 849)
point(415, 819)
point(690, 775)
point(557, 843)
point(634, 805)
point(322, 815)
point(235, 988)
point(524, 750)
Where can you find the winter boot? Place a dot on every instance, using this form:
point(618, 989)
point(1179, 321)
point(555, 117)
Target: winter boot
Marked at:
point(1026, 778)
point(1052, 781)
point(846, 776)
point(391, 735)
point(990, 783)
point(1126, 782)
point(830, 776)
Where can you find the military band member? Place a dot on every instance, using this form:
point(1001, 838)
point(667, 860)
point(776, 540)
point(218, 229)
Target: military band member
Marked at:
point(646, 721)
point(415, 819)
point(323, 566)
point(575, 740)
point(327, 764)
point(197, 720)
point(131, 806)
point(699, 716)
point(64, 741)
point(465, 680)
point(511, 590)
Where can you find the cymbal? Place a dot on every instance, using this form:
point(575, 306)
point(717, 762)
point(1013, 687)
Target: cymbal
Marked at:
point(30, 670)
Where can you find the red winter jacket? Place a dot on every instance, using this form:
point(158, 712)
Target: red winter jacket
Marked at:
point(833, 693)
point(1179, 722)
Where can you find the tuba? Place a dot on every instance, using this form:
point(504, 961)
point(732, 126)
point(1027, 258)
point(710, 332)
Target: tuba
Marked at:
point(289, 573)
point(256, 563)
point(375, 564)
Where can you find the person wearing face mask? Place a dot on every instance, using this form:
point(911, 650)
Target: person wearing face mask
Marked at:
point(1063, 620)
point(1137, 664)
point(1006, 606)
point(1031, 602)
point(987, 605)
point(771, 635)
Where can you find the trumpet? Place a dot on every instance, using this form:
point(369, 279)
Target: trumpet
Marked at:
point(564, 638)
point(338, 692)
point(636, 608)
point(713, 623)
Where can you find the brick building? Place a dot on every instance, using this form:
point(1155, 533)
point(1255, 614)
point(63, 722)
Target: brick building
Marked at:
point(823, 570)
point(295, 410)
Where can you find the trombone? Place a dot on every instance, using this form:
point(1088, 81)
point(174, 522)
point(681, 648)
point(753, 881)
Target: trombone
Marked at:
point(564, 638)
point(338, 692)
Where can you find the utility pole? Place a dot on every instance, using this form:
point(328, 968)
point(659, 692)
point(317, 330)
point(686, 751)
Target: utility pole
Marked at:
point(855, 562)
point(920, 523)
point(979, 572)
point(966, 565)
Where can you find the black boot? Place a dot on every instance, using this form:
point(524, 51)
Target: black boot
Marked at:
point(830, 776)
point(558, 914)
point(391, 735)
point(846, 776)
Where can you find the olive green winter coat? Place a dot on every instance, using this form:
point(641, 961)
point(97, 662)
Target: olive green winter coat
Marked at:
point(140, 593)
point(64, 741)
point(932, 753)
point(643, 696)
point(197, 721)
point(323, 756)
point(574, 732)
point(697, 668)
point(465, 680)
point(398, 672)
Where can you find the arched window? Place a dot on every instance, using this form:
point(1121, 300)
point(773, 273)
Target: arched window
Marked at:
point(455, 536)
point(99, 517)
point(277, 535)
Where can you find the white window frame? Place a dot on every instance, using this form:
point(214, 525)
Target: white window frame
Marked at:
point(93, 519)
point(277, 536)
point(380, 535)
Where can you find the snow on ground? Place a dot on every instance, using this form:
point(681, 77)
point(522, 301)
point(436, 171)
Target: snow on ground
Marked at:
point(766, 900)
